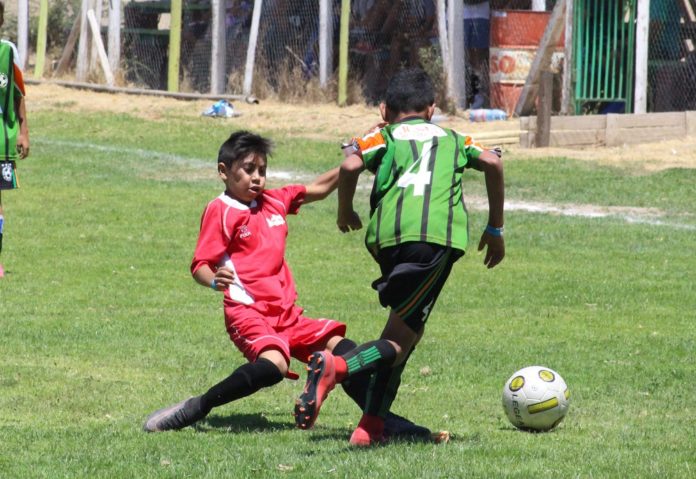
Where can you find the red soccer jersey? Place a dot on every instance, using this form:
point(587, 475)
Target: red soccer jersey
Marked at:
point(251, 240)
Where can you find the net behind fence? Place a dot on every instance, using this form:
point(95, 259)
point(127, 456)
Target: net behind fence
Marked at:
point(500, 41)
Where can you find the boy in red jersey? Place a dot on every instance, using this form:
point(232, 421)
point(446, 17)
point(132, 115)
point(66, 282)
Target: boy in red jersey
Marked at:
point(241, 253)
point(15, 140)
point(418, 229)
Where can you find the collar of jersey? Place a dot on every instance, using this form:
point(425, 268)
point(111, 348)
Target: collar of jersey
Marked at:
point(236, 203)
point(411, 118)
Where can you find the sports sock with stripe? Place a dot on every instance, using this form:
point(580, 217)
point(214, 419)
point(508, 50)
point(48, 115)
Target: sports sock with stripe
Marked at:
point(356, 385)
point(369, 357)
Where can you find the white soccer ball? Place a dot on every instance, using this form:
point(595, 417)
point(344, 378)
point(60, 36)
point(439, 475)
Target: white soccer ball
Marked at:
point(536, 398)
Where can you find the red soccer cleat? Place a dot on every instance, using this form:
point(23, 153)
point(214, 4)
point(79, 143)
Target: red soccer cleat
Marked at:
point(370, 432)
point(321, 379)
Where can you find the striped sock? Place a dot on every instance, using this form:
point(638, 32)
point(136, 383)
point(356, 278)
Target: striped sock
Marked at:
point(371, 356)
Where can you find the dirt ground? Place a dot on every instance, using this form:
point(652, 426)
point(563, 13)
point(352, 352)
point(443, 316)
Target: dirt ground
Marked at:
point(324, 121)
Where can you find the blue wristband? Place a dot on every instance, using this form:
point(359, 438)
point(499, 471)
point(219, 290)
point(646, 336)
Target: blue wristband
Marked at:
point(494, 231)
point(213, 284)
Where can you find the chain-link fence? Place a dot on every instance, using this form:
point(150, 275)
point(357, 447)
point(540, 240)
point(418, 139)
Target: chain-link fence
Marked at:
point(500, 41)
point(672, 56)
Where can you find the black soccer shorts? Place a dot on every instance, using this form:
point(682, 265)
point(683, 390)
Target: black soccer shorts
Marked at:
point(413, 275)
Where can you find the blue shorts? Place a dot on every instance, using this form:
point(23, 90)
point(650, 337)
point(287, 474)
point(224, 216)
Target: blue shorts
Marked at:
point(477, 33)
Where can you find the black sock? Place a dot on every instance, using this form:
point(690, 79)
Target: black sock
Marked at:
point(355, 386)
point(246, 380)
point(370, 357)
point(382, 390)
point(344, 346)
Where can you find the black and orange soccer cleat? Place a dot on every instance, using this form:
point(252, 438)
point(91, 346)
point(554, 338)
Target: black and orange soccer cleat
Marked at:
point(321, 379)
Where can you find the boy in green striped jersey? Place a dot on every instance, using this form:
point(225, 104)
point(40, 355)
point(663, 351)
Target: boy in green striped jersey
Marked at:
point(418, 229)
point(14, 139)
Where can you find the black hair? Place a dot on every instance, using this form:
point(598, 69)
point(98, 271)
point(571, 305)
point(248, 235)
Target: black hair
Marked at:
point(410, 90)
point(241, 144)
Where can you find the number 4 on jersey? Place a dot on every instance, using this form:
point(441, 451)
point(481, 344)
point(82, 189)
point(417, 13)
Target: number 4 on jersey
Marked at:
point(421, 179)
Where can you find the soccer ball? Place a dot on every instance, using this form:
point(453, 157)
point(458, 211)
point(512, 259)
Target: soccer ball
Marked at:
point(536, 398)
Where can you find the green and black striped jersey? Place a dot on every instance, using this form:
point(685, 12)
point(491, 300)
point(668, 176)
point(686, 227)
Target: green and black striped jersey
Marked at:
point(9, 89)
point(417, 191)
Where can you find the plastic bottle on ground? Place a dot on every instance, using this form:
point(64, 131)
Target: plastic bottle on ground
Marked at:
point(486, 114)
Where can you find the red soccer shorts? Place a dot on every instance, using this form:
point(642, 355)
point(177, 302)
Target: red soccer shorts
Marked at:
point(294, 335)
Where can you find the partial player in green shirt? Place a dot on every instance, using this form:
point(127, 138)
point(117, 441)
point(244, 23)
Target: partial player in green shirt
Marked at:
point(14, 138)
point(417, 231)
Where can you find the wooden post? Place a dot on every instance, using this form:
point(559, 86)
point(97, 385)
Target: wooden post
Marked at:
point(174, 46)
point(567, 95)
point(23, 31)
point(444, 43)
point(542, 60)
point(325, 41)
point(543, 126)
point(94, 49)
point(218, 50)
point(83, 44)
point(114, 42)
point(41, 40)
point(65, 57)
point(690, 118)
point(612, 136)
point(455, 15)
point(251, 47)
point(642, 30)
point(343, 53)
point(99, 46)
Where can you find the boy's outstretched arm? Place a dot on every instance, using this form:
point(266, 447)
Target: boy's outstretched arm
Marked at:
point(322, 186)
point(351, 168)
point(492, 166)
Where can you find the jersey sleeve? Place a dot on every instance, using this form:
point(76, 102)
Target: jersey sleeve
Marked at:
point(19, 80)
point(372, 147)
point(470, 149)
point(292, 197)
point(213, 238)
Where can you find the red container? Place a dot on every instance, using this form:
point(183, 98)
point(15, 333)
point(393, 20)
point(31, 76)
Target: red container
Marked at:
point(515, 38)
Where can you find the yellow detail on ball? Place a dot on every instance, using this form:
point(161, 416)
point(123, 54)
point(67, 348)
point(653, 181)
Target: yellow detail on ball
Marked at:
point(566, 393)
point(546, 375)
point(517, 383)
point(543, 406)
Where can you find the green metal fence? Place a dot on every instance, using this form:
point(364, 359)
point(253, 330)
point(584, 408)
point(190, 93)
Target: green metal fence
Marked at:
point(604, 51)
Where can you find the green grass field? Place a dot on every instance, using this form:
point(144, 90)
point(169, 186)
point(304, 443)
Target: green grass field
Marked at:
point(101, 322)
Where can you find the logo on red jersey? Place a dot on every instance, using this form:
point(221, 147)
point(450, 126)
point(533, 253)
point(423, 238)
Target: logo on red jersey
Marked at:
point(244, 232)
point(275, 220)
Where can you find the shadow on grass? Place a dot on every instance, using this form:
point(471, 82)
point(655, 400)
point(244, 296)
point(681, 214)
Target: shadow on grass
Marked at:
point(246, 423)
point(242, 423)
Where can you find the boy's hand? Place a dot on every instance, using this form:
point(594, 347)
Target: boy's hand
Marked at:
point(224, 277)
point(23, 146)
point(348, 221)
point(496, 249)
